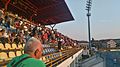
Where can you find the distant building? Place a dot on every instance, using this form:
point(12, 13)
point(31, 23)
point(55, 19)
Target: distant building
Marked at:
point(95, 43)
point(83, 43)
point(105, 43)
point(111, 44)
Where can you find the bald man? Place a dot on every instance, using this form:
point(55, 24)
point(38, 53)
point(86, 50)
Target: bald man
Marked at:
point(33, 51)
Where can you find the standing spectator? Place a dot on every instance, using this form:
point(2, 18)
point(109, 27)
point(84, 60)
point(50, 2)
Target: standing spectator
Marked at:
point(53, 34)
point(85, 53)
point(17, 25)
point(49, 35)
point(45, 38)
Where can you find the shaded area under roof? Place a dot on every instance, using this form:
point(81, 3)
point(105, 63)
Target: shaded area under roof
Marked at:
point(41, 11)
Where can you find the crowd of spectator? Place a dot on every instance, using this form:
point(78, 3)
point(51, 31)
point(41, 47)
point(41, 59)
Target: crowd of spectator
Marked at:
point(15, 29)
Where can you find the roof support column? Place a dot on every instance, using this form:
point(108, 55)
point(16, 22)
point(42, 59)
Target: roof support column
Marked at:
point(52, 26)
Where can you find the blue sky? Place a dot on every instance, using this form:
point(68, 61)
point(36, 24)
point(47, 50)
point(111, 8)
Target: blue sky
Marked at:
point(105, 20)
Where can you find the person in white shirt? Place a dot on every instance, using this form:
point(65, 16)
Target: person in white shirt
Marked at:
point(85, 53)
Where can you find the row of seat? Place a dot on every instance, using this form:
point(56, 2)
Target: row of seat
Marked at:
point(11, 54)
point(6, 55)
point(49, 50)
point(52, 58)
point(49, 57)
point(11, 46)
point(20, 46)
point(46, 46)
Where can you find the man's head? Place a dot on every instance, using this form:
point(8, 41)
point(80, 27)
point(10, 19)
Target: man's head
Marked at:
point(34, 48)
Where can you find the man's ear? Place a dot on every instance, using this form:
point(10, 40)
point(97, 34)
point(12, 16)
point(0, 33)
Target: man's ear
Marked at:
point(36, 52)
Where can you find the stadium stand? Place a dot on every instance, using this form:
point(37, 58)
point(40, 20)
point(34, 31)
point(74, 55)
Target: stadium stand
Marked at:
point(12, 41)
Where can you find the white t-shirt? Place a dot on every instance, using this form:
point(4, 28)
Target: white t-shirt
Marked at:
point(85, 52)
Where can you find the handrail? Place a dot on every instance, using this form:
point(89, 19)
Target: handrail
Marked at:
point(109, 48)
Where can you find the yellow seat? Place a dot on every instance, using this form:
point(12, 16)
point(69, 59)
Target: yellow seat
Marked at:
point(23, 45)
point(44, 59)
point(22, 51)
point(0, 43)
point(20, 46)
point(3, 55)
point(8, 46)
point(40, 58)
point(18, 53)
point(4, 66)
point(47, 59)
point(11, 54)
point(14, 46)
point(2, 47)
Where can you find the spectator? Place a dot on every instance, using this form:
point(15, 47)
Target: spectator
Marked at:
point(44, 37)
point(33, 51)
point(85, 53)
point(21, 38)
point(53, 41)
point(26, 29)
point(1, 13)
point(17, 40)
point(3, 38)
point(49, 35)
point(12, 37)
point(9, 36)
point(1, 20)
point(17, 25)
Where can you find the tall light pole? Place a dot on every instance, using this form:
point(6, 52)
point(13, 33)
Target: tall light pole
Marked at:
point(88, 8)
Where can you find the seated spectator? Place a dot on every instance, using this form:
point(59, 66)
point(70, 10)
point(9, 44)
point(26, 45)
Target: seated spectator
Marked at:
point(3, 37)
point(7, 25)
point(12, 37)
point(1, 20)
point(21, 38)
point(53, 41)
point(1, 13)
point(17, 40)
point(33, 51)
point(9, 35)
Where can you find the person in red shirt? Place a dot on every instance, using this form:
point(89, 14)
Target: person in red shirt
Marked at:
point(17, 25)
point(45, 38)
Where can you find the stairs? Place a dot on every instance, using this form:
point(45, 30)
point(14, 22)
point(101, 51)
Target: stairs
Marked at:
point(91, 62)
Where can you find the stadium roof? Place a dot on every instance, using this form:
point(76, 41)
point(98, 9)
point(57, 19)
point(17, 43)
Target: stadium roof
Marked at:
point(41, 11)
